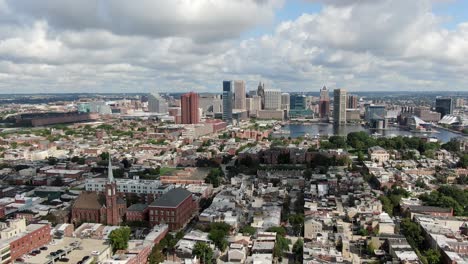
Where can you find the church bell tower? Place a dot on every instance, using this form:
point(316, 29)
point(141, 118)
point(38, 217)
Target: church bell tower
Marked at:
point(112, 210)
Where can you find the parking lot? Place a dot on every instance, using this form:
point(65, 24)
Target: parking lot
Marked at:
point(71, 250)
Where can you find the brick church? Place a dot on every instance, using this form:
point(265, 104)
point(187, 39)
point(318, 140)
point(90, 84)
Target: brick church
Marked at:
point(95, 207)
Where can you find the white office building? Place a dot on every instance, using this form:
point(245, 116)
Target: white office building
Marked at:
point(157, 104)
point(272, 99)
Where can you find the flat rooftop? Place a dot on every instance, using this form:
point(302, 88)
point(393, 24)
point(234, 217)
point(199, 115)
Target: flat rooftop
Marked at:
point(84, 247)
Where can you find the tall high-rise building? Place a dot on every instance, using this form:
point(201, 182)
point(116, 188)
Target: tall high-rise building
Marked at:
point(298, 106)
point(227, 101)
point(285, 101)
point(460, 102)
point(261, 93)
point(210, 103)
point(339, 106)
point(239, 95)
point(272, 99)
point(352, 101)
point(324, 103)
point(297, 102)
point(254, 104)
point(189, 108)
point(157, 104)
point(444, 106)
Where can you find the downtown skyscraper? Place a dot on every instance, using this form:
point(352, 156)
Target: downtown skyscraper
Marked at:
point(272, 99)
point(352, 101)
point(324, 103)
point(339, 106)
point(261, 93)
point(228, 87)
point(189, 108)
point(157, 104)
point(239, 95)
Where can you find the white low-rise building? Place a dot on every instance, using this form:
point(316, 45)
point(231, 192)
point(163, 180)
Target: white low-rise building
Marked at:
point(130, 186)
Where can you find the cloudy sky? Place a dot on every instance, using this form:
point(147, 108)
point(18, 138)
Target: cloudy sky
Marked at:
point(192, 45)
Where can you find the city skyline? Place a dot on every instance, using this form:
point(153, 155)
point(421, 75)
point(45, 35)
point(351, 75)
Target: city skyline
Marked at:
point(61, 47)
point(234, 131)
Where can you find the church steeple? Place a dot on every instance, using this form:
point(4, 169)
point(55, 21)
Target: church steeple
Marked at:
point(112, 210)
point(110, 174)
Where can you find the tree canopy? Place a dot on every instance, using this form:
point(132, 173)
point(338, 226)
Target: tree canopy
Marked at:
point(214, 177)
point(203, 252)
point(249, 230)
point(218, 233)
point(298, 251)
point(449, 197)
point(119, 238)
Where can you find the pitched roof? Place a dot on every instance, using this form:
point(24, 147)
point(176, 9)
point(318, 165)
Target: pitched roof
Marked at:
point(89, 200)
point(138, 207)
point(120, 200)
point(172, 198)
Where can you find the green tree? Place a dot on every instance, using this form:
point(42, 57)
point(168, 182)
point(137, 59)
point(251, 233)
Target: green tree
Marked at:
point(363, 232)
point(156, 256)
point(463, 162)
point(281, 245)
point(13, 145)
point(360, 156)
point(249, 230)
point(449, 197)
point(298, 251)
point(118, 238)
point(286, 208)
point(387, 205)
point(203, 252)
point(52, 160)
point(219, 238)
point(420, 183)
point(104, 155)
point(338, 141)
point(452, 145)
point(279, 230)
point(58, 181)
point(297, 221)
point(432, 256)
point(307, 173)
point(299, 203)
point(218, 233)
point(180, 235)
point(169, 243)
point(214, 177)
point(412, 232)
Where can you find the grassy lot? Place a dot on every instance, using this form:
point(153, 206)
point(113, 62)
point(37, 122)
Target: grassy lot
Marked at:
point(167, 170)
